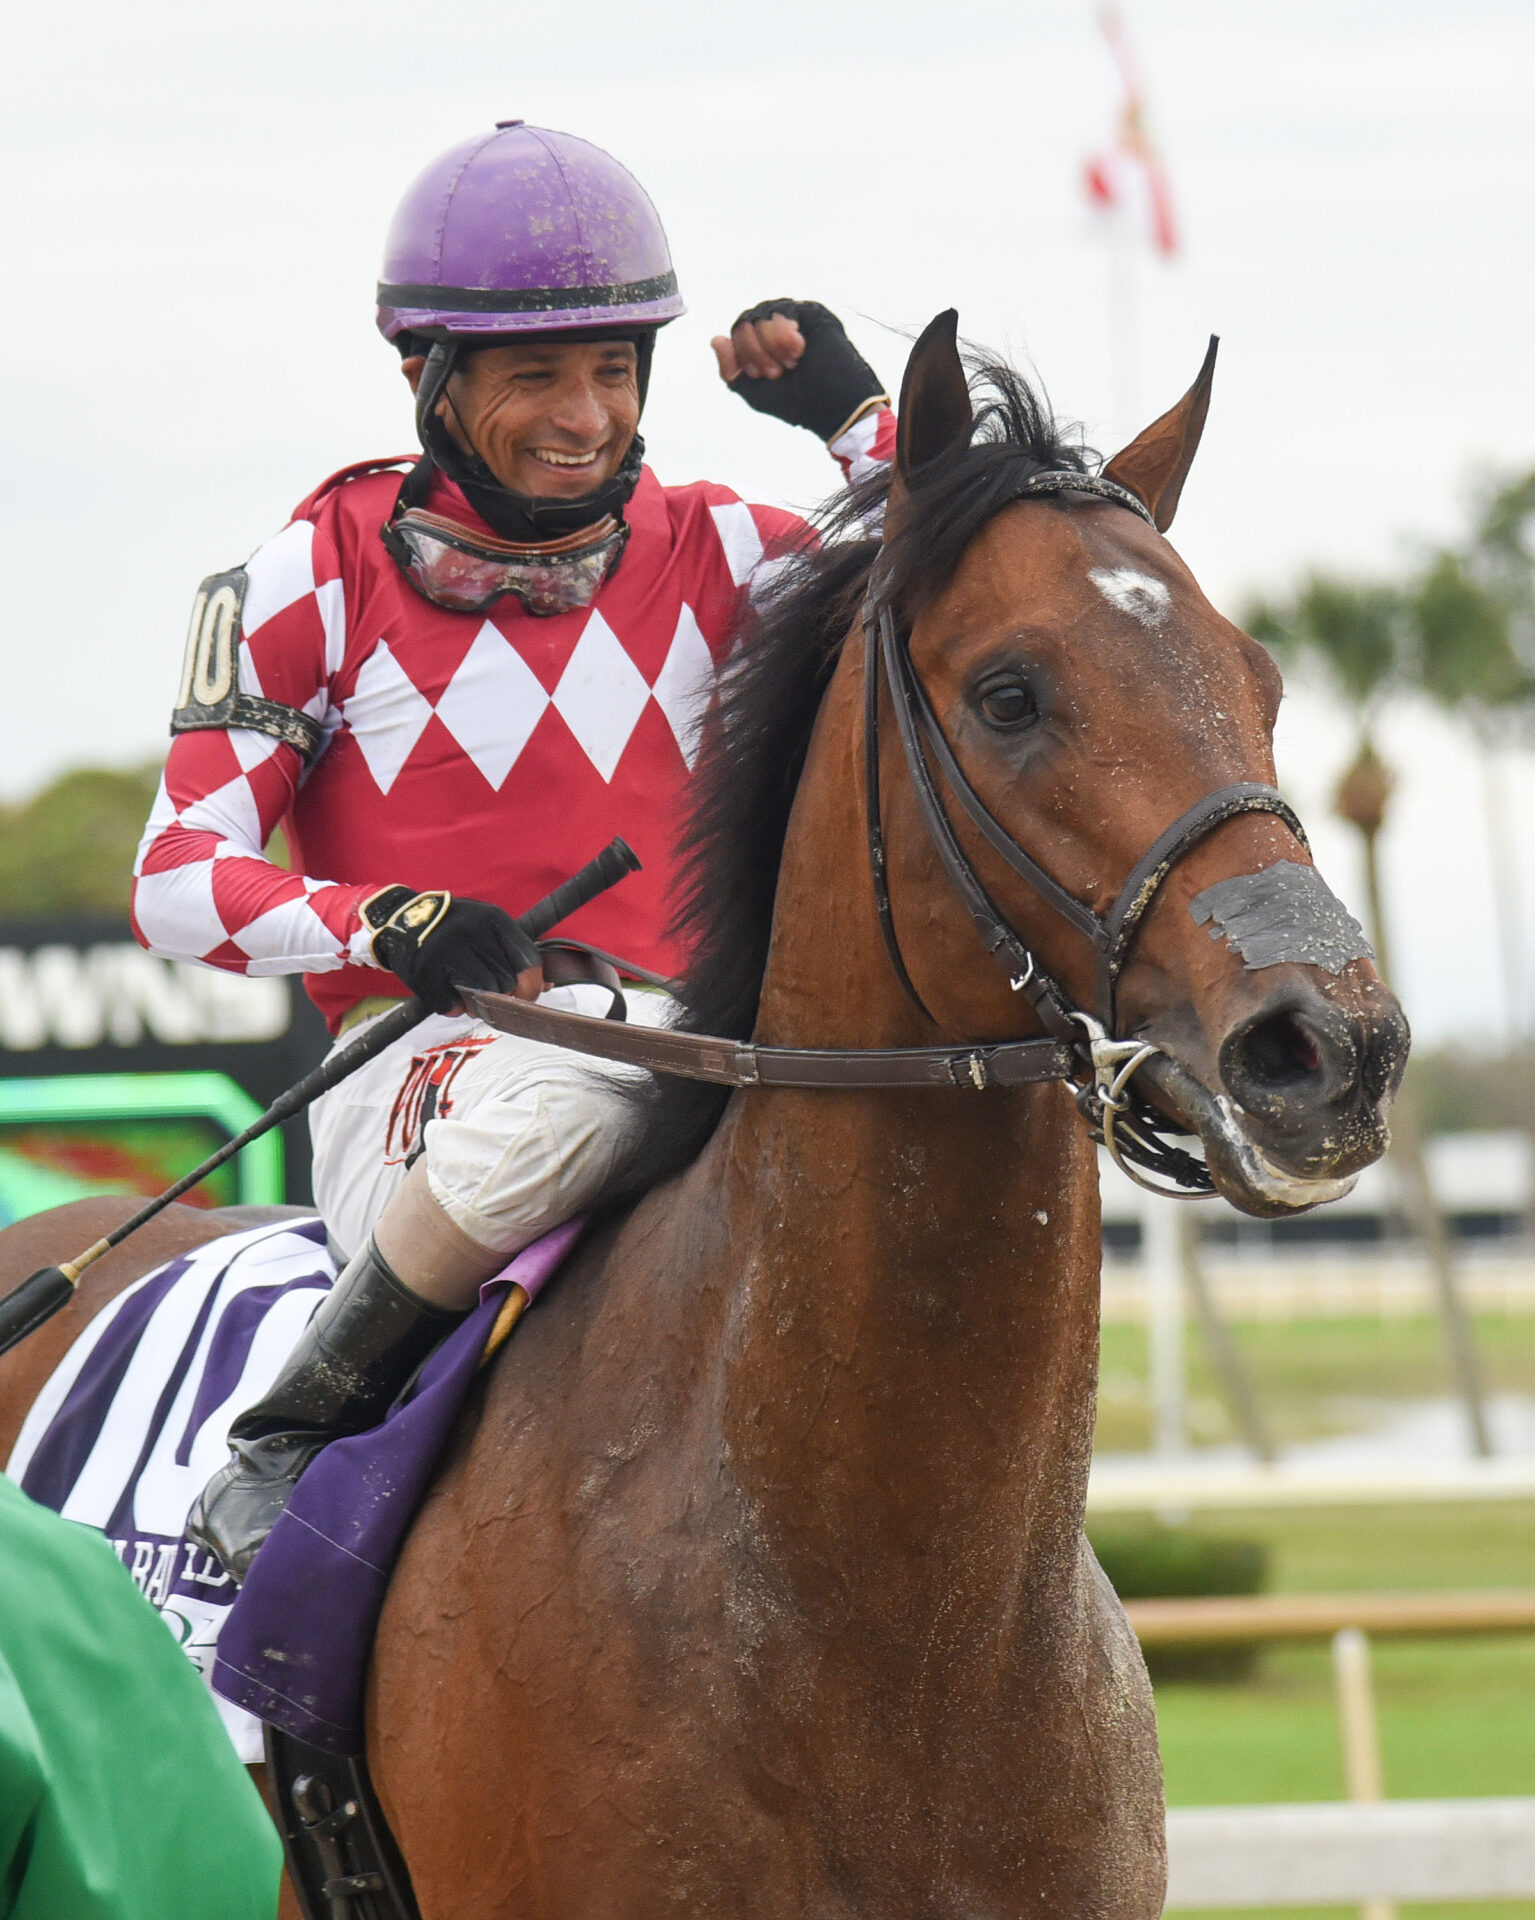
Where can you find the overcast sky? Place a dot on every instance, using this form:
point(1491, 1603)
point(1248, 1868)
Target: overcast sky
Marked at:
point(194, 201)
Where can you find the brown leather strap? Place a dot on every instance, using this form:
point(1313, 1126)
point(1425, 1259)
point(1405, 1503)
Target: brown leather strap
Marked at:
point(737, 1063)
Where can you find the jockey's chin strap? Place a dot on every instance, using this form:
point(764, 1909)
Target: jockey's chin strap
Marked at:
point(1079, 1046)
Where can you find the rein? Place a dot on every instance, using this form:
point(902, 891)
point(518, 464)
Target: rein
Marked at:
point(738, 1063)
point(1081, 1046)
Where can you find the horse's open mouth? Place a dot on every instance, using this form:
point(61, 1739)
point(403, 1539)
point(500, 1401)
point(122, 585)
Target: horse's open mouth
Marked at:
point(1250, 1178)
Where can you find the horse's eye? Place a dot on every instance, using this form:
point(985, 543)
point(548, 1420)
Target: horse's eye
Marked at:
point(1009, 703)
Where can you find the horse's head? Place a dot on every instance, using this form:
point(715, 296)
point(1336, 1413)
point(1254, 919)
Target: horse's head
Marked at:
point(1091, 697)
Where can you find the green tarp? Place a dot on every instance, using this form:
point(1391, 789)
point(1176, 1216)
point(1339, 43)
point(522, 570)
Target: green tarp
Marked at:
point(120, 1795)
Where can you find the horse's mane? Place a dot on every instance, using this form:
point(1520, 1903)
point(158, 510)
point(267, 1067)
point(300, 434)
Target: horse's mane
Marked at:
point(758, 730)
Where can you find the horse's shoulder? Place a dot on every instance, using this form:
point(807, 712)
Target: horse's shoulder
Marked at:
point(598, 1341)
point(44, 1239)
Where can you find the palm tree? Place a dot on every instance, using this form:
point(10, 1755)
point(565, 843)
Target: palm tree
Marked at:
point(1366, 637)
point(1469, 612)
point(1505, 540)
point(1358, 634)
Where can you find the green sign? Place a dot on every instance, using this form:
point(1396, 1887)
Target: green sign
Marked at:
point(71, 1135)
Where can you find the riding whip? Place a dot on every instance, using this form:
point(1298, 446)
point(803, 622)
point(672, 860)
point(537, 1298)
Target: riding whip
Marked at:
point(41, 1295)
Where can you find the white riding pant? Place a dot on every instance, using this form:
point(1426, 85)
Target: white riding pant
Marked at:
point(517, 1136)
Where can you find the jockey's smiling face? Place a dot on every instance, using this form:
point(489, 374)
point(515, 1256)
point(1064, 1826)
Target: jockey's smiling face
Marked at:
point(550, 418)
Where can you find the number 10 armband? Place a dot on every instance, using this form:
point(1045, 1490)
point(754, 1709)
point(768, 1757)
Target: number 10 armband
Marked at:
point(209, 696)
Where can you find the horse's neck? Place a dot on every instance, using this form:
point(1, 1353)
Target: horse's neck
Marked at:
point(911, 1346)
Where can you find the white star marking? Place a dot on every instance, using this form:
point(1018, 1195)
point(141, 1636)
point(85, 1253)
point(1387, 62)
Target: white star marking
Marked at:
point(1140, 595)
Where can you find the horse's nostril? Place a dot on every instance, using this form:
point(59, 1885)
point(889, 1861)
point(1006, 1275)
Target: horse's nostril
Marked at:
point(1279, 1052)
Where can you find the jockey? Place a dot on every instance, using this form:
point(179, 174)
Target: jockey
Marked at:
point(450, 679)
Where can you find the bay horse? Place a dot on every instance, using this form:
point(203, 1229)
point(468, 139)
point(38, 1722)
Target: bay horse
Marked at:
point(754, 1580)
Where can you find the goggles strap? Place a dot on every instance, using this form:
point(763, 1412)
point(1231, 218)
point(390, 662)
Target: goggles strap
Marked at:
point(525, 518)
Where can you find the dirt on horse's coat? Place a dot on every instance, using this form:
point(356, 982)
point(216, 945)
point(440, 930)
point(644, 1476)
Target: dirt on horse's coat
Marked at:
point(754, 1582)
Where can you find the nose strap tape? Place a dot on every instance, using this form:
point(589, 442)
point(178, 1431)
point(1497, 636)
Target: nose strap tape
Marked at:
point(1287, 914)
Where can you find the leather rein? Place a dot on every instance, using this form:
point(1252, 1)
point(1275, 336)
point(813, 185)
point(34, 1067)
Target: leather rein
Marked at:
point(1079, 1045)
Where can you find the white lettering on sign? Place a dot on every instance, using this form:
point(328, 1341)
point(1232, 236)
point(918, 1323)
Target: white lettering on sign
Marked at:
point(113, 995)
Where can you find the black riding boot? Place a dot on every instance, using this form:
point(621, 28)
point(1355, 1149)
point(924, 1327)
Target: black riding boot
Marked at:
point(367, 1337)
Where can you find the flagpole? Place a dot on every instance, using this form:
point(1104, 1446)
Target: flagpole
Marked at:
point(1104, 177)
point(1123, 370)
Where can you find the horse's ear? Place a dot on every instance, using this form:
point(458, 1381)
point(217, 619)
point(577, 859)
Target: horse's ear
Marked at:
point(935, 410)
point(1156, 463)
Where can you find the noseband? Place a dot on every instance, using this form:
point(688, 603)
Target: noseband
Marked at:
point(1128, 1126)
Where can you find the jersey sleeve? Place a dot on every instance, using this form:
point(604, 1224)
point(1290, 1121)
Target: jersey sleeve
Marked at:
point(202, 889)
point(758, 540)
point(868, 443)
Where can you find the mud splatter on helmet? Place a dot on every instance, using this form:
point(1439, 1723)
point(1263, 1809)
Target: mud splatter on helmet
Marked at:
point(513, 233)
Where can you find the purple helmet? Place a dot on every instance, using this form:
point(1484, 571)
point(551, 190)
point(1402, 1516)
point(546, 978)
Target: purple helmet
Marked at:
point(525, 231)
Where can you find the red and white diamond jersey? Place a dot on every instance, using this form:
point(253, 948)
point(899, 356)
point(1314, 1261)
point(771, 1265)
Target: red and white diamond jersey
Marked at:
point(489, 753)
point(868, 443)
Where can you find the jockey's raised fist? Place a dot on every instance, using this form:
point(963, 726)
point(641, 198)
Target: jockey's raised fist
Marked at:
point(792, 359)
point(437, 944)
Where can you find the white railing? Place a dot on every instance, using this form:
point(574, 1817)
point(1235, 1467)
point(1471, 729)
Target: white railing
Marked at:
point(1367, 1848)
point(1362, 1284)
point(1331, 1854)
point(1134, 1483)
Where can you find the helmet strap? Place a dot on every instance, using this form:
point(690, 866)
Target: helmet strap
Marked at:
point(526, 518)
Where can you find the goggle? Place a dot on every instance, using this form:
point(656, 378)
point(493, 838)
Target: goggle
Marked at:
point(468, 572)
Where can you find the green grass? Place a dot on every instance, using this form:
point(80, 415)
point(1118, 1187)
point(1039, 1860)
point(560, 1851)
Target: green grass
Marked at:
point(1457, 1717)
point(1313, 1377)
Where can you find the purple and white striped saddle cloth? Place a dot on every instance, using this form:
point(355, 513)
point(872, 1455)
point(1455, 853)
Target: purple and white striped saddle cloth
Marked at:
point(135, 1418)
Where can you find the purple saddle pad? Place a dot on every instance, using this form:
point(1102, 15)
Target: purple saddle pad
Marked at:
point(294, 1649)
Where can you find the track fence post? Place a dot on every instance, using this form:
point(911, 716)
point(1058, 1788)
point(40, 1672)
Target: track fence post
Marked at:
point(1162, 1265)
point(1359, 1731)
point(1227, 1361)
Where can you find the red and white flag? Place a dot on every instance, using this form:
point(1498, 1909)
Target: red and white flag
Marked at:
point(1106, 174)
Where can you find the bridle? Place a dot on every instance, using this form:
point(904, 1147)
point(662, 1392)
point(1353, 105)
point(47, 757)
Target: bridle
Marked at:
point(1131, 1130)
point(1077, 1046)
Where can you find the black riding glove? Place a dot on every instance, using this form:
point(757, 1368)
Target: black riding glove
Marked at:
point(829, 385)
point(437, 944)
